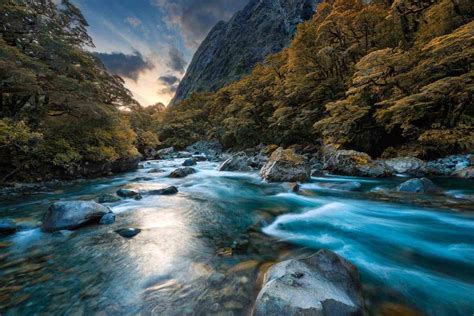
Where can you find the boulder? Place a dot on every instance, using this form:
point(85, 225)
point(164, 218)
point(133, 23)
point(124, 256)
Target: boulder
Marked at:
point(189, 162)
point(165, 153)
point(285, 165)
point(323, 284)
point(183, 154)
point(407, 165)
point(128, 232)
point(7, 227)
point(422, 185)
point(238, 162)
point(72, 215)
point(448, 165)
point(294, 187)
point(107, 219)
point(466, 173)
point(342, 186)
point(108, 198)
point(206, 147)
point(354, 163)
point(165, 191)
point(182, 172)
point(129, 193)
point(126, 165)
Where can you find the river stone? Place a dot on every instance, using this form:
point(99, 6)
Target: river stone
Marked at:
point(108, 198)
point(165, 191)
point(72, 215)
point(182, 172)
point(323, 284)
point(466, 173)
point(128, 193)
point(353, 163)
point(107, 219)
point(7, 227)
point(128, 232)
point(422, 185)
point(407, 165)
point(206, 147)
point(294, 187)
point(238, 162)
point(342, 186)
point(285, 165)
point(165, 153)
point(189, 162)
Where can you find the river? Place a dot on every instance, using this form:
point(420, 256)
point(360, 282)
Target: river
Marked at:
point(205, 249)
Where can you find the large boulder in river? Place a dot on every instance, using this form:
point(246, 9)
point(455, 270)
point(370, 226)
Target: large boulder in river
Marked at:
point(238, 162)
point(407, 165)
point(422, 185)
point(323, 284)
point(206, 147)
point(182, 172)
point(72, 215)
point(354, 163)
point(285, 165)
point(165, 153)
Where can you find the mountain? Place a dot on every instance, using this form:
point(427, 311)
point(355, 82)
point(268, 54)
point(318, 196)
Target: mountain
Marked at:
point(233, 48)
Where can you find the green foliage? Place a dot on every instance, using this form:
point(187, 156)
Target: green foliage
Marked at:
point(374, 77)
point(62, 108)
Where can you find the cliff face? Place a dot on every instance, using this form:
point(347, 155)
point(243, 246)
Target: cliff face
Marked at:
point(232, 48)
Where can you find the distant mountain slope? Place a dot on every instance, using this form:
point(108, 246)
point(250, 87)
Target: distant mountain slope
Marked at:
point(232, 48)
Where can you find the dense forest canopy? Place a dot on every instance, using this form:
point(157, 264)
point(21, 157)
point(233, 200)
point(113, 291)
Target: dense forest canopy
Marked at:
point(387, 78)
point(59, 109)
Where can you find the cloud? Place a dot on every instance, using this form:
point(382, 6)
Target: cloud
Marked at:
point(168, 80)
point(133, 21)
point(176, 60)
point(128, 66)
point(195, 18)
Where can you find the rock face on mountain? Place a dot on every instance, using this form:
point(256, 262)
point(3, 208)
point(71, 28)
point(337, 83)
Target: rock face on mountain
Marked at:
point(232, 48)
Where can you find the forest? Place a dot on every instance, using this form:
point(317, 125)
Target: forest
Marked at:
point(386, 78)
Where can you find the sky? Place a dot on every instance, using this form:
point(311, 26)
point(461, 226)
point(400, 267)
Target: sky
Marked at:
point(150, 43)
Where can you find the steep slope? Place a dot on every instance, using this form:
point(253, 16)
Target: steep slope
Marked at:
point(232, 49)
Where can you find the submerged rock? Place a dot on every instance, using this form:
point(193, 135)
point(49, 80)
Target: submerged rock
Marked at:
point(108, 198)
point(183, 154)
point(72, 215)
point(323, 284)
point(182, 172)
point(294, 187)
point(354, 163)
point(107, 219)
point(165, 191)
point(128, 232)
point(285, 166)
point(129, 193)
point(238, 162)
point(422, 185)
point(342, 186)
point(189, 162)
point(7, 227)
point(466, 173)
point(407, 165)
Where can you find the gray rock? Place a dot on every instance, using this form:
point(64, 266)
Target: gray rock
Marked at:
point(237, 162)
point(107, 219)
point(285, 166)
point(183, 154)
point(233, 48)
point(206, 147)
point(422, 185)
point(72, 215)
point(323, 284)
point(165, 153)
point(165, 191)
point(108, 198)
point(353, 163)
point(407, 165)
point(128, 193)
point(7, 227)
point(128, 232)
point(182, 172)
point(342, 186)
point(189, 162)
point(141, 179)
point(448, 165)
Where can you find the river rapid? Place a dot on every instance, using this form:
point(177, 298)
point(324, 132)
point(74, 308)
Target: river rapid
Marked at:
point(205, 249)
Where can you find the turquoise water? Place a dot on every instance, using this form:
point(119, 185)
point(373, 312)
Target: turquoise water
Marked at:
point(413, 250)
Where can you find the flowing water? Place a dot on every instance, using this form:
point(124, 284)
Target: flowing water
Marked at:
point(415, 251)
